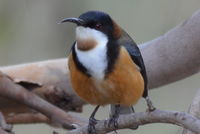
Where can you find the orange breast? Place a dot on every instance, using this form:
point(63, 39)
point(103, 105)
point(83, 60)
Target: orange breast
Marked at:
point(124, 85)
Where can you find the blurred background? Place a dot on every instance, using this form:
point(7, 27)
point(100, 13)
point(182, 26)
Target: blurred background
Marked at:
point(29, 32)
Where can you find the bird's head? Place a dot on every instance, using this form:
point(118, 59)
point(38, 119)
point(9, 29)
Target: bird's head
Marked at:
point(94, 27)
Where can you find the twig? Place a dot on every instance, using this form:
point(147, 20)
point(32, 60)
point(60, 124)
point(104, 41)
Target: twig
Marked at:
point(158, 116)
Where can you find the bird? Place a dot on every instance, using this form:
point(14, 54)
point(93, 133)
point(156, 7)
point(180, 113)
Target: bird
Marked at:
point(106, 65)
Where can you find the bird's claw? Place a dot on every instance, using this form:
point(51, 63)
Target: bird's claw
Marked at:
point(151, 108)
point(91, 126)
point(113, 121)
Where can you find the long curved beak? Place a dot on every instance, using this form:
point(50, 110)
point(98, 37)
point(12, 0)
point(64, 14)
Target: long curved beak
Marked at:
point(77, 21)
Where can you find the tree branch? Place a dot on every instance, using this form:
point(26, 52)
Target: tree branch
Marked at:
point(25, 118)
point(194, 110)
point(174, 55)
point(158, 116)
point(57, 116)
point(48, 80)
point(4, 127)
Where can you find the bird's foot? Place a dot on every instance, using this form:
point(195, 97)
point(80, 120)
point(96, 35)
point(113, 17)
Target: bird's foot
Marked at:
point(93, 122)
point(91, 125)
point(113, 121)
point(151, 108)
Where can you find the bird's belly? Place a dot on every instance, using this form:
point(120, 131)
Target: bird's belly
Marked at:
point(124, 90)
point(124, 85)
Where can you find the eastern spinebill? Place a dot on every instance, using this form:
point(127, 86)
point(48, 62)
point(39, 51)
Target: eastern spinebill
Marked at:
point(106, 66)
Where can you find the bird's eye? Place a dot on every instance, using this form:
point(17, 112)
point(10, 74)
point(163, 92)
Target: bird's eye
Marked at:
point(98, 26)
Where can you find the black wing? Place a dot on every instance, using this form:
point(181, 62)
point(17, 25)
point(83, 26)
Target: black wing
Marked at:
point(136, 56)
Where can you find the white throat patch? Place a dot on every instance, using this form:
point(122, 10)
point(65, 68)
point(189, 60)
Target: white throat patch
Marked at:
point(95, 59)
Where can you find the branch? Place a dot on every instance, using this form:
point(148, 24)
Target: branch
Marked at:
point(4, 127)
point(194, 109)
point(3, 131)
point(126, 121)
point(46, 79)
point(175, 55)
point(25, 118)
point(57, 116)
